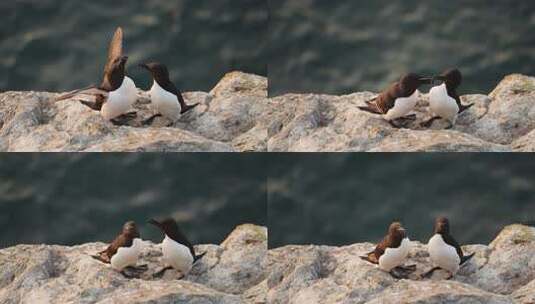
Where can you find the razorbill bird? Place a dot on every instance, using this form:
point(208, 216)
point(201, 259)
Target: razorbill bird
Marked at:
point(392, 251)
point(124, 251)
point(117, 92)
point(444, 251)
point(165, 97)
point(396, 102)
point(178, 252)
point(444, 102)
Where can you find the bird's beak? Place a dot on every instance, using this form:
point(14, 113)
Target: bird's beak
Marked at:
point(154, 222)
point(426, 80)
point(144, 66)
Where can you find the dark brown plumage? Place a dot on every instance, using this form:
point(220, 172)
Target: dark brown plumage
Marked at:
point(124, 239)
point(396, 234)
point(405, 87)
point(453, 79)
point(170, 228)
point(442, 227)
point(160, 73)
point(114, 73)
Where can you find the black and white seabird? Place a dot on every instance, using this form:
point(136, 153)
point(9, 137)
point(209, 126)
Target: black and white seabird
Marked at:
point(396, 102)
point(124, 251)
point(165, 97)
point(178, 252)
point(117, 92)
point(392, 251)
point(444, 251)
point(444, 102)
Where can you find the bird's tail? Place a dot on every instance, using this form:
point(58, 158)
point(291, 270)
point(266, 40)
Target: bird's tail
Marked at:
point(100, 258)
point(198, 257)
point(74, 93)
point(467, 258)
point(367, 258)
point(463, 108)
point(370, 107)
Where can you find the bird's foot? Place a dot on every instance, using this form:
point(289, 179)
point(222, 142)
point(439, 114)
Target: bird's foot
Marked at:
point(402, 272)
point(408, 268)
point(123, 120)
point(150, 120)
point(430, 272)
point(429, 123)
point(411, 117)
point(401, 123)
point(187, 108)
point(394, 125)
point(134, 271)
point(160, 273)
point(130, 115)
point(128, 274)
point(91, 105)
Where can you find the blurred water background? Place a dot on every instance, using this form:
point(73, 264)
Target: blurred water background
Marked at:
point(52, 45)
point(339, 199)
point(76, 198)
point(344, 46)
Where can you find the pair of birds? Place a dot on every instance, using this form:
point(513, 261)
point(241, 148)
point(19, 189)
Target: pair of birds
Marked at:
point(178, 253)
point(393, 250)
point(117, 93)
point(396, 102)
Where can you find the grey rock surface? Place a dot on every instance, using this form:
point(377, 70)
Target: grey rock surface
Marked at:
point(226, 120)
point(233, 272)
point(238, 116)
point(502, 272)
point(500, 122)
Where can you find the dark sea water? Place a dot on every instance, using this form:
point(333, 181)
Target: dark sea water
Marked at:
point(338, 199)
point(77, 198)
point(345, 46)
point(57, 45)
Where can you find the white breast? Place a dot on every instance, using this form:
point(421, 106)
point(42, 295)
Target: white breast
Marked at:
point(176, 255)
point(121, 100)
point(126, 256)
point(164, 102)
point(443, 255)
point(441, 104)
point(394, 257)
point(403, 106)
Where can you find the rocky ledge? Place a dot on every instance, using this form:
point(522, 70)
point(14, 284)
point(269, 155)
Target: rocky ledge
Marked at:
point(232, 272)
point(226, 120)
point(502, 272)
point(502, 121)
point(238, 116)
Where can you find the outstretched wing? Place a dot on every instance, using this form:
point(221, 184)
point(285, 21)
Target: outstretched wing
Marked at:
point(115, 51)
point(87, 90)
